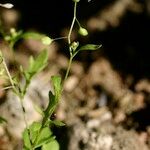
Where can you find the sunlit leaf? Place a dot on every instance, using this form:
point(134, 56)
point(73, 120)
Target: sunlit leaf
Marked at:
point(39, 63)
point(34, 130)
point(36, 65)
point(26, 139)
point(57, 123)
point(38, 109)
point(45, 136)
point(53, 145)
point(33, 35)
point(37, 36)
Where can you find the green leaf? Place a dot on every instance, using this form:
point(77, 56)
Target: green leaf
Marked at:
point(38, 136)
point(2, 120)
point(37, 36)
point(51, 107)
point(32, 35)
point(53, 145)
point(13, 37)
point(38, 109)
point(89, 47)
point(56, 81)
point(34, 130)
point(39, 63)
point(57, 123)
point(36, 65)
point(31, 62)
point(45, 136)
point(53, 98)
point(26, 139)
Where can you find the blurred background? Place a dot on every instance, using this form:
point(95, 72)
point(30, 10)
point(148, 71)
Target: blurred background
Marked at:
point(122, 27)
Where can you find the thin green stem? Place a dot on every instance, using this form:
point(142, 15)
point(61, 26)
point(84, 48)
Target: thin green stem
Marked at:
point(72, 24)
point(78, 23)
point(69, 42)
point(5, 88)
point(24, 111)
point(8, 73)
point(25, 88)
point(60, 38)
point(24, 117)
point(18, 94)
point(68, 69)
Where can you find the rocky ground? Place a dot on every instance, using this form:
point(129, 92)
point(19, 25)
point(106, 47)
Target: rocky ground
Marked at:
point(98, 105)
point(106, 99)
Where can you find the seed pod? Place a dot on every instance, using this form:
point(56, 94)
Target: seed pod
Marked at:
point(83, 31)
point(46, 40)
point(76, 1)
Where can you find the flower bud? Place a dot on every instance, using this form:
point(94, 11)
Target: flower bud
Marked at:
point(13, 32)
point(83, 31)
point(74, 45)
point(76, 1)
point(46, 40)
point(7, 38)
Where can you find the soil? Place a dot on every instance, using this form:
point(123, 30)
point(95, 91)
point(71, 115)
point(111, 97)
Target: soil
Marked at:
point(98, 105)
point(106, 99)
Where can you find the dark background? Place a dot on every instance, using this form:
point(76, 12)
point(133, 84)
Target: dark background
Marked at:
point(126, 46)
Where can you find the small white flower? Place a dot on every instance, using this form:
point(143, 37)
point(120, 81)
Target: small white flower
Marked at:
point(7, 5)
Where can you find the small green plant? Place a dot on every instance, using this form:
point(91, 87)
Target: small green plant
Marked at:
point(39, 134)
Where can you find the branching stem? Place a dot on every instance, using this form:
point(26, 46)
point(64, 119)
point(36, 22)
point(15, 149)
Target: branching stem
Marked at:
point(72, 24)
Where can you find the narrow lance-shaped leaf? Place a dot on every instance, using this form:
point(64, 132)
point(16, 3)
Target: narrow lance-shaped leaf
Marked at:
point(53, 98)
point(57, 123)
point(50, 108)
point(89, 47)
point(31, 62)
